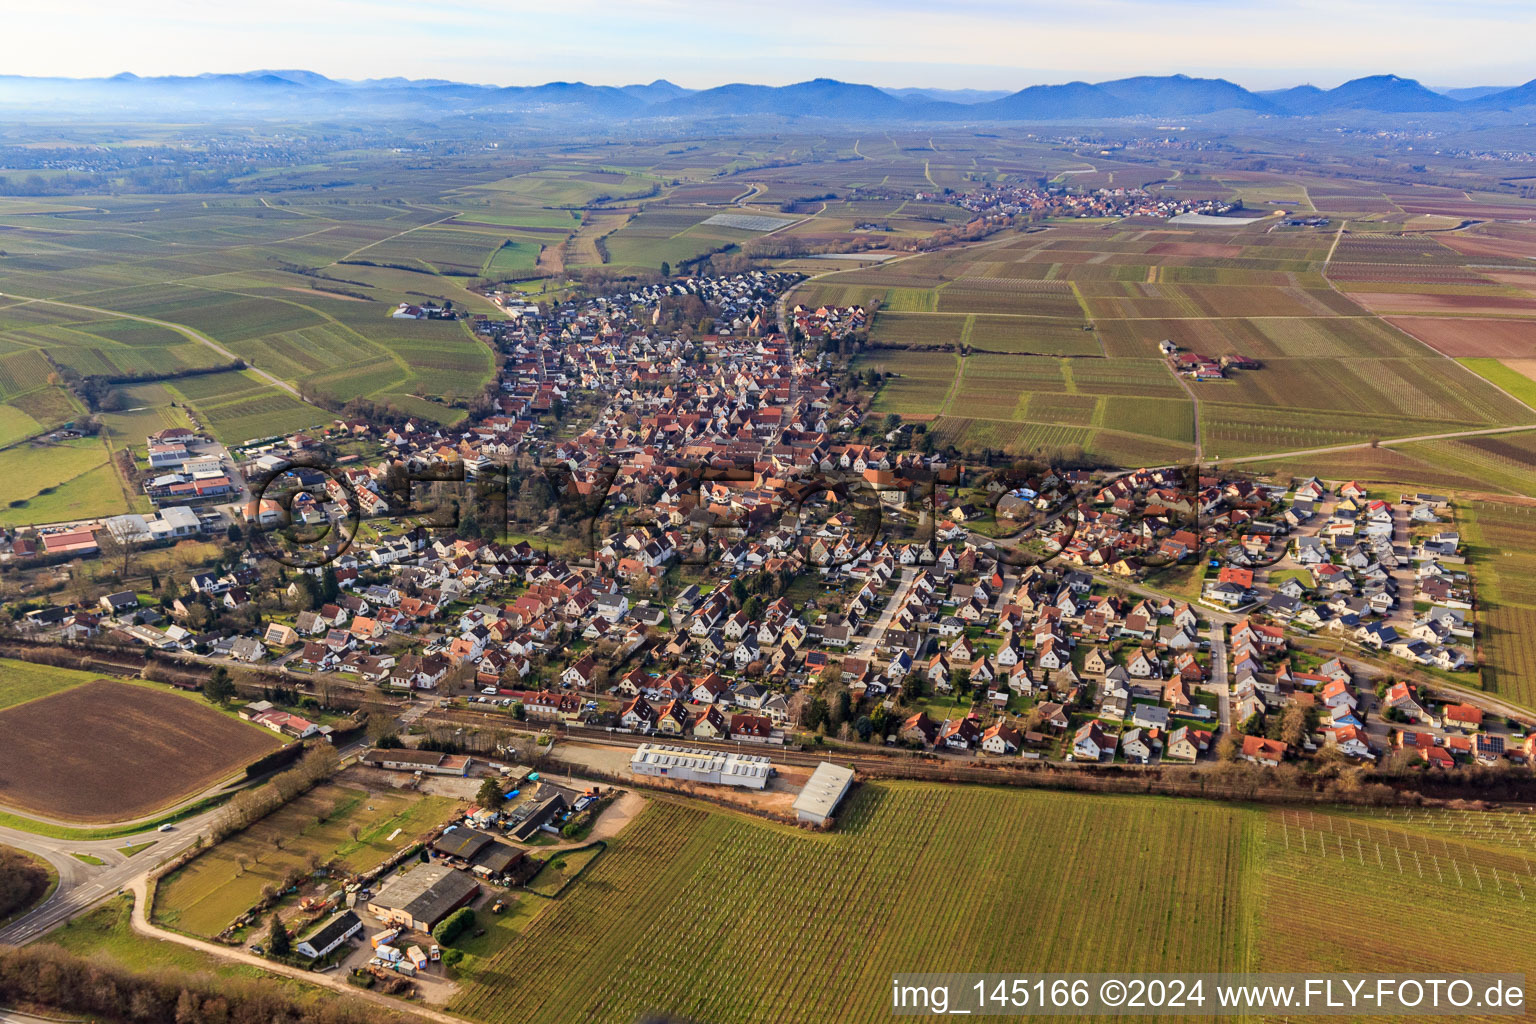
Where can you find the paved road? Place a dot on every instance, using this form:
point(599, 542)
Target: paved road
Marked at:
point(1219, 683)
point(898, 600)
point(82, 885)
point(16, 1017)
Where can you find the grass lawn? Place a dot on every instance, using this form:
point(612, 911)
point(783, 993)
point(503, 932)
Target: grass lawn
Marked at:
point(207, 895)
point(107, 932)
point(21, 681)
point(562, 869)
point(500, 929)
point(1279, 576)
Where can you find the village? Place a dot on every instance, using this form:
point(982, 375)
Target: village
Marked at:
point(688, 555)
point(1062, 201)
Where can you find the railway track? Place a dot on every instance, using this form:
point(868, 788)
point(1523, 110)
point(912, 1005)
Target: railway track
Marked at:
point(874, 765)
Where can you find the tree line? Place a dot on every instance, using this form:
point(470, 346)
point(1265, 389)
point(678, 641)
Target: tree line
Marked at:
point(52, 977)
point(22, 881)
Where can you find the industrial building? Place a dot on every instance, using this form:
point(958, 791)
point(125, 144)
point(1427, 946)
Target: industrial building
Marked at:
point(423, 896)
point(694, 765)
point(404, 759)
point(828, 784)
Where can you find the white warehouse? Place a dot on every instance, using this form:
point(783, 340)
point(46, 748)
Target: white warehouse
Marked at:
point(819, 799)
point(694, 765)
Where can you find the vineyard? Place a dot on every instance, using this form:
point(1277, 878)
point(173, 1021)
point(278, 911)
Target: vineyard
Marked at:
point(1401, 892)
point(1500, 546)
point(711, 916)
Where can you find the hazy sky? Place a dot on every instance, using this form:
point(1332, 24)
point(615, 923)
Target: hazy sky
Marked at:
point(991, 44)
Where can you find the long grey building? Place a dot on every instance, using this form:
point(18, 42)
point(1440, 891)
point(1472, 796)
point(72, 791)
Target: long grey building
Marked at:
point(694, 765)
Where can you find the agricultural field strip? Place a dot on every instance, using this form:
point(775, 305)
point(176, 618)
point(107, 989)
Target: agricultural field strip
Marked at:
point(1337, 238)
point(187, 332)
point(384, 350)
point(381, 241)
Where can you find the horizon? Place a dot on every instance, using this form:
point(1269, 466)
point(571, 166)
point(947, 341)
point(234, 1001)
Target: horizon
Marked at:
point(977, 44)
point(660, 79)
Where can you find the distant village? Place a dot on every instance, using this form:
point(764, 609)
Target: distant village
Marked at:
point(1062, 201)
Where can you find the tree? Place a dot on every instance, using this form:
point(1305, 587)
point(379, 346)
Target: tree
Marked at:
point(829, 677)
point(116, 552)
point(218, 688)
point(841, 708)
point(279, 943)
point(815, 713)
point(1293, 726)
point(329, 588)
point(489, 795)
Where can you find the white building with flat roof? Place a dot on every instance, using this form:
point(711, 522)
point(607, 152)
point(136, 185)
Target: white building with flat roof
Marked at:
point(828, 784)
point(692, 764)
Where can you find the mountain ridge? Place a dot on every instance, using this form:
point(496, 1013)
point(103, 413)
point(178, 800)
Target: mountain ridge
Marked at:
point(288, 91)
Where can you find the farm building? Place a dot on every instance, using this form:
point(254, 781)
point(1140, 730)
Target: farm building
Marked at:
point(694, 765)
point(429, 761)
point(547, 806)
point(422, 897)
point(828, 785)
point(478, 851)
point(332, 934)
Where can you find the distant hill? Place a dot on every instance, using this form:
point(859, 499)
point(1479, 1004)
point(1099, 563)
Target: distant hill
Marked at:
point(658, 91)
point(1171, 95)
point(824, 97)
point(1387, 94)
point(1054, 102)
point(300, 93)
point(1509, 99)
point(1475, 92)
point(950, 95)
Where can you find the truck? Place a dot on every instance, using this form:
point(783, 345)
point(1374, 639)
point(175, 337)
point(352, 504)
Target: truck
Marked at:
point(384, 938)
point(417, 958)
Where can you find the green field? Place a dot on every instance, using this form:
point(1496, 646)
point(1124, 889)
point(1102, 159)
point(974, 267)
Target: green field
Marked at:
point(21, 681)
point(46, 483)
point(207, 895)
point(107, 933)
point(688, 905)
point(1501, 545)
